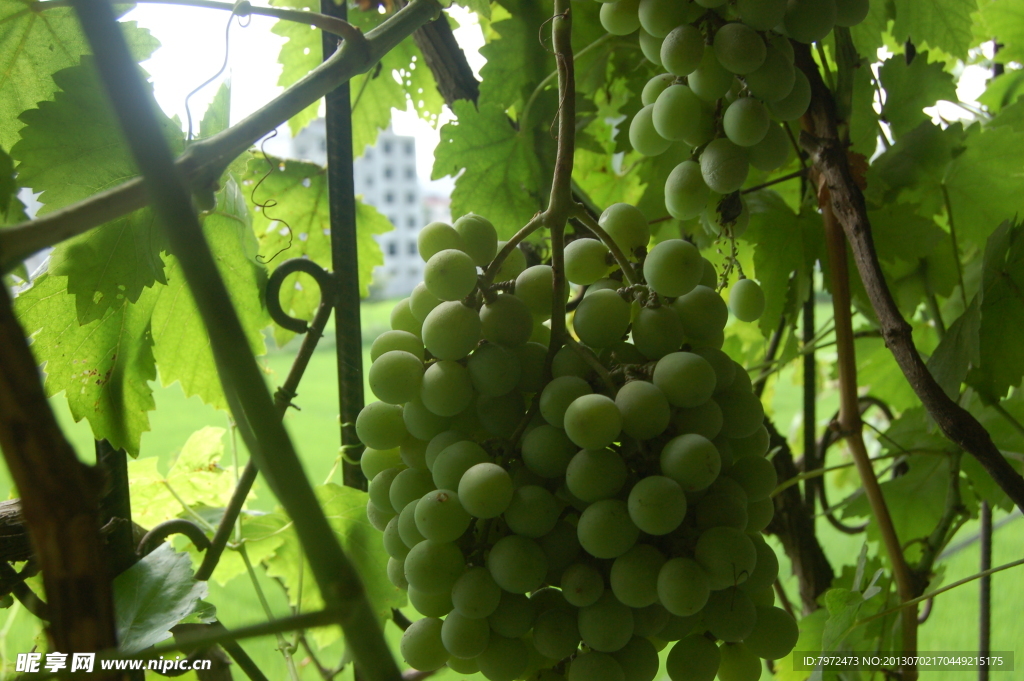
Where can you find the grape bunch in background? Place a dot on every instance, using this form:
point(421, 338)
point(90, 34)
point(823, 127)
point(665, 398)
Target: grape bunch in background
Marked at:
point(573, 521)
point(729, 88)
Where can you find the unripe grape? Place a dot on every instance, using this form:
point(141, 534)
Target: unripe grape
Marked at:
point(531, 364)
point(773, 151)
point(463, 637)
point(494, 370)
point(673, 268)
point(602, 318)
point(433, 567)
point(704, 420)
point(422, 301)
point(479, 237)
point(775, 634)
point(512, 266)
point(711, 4)
point(644, 408)
point(568, 362)
point(693, 658)
point(425, 422)
point(440, 517)
point(595, 666)
point(561, 546)
point(655, 86)
point(532, 512)
point(402, 318)
point(756, 475)
point(716, 222)
point(436, 237)
point(450, 274)
point(766, 567)
point(761, 15)
point(582, 584)
point(586, 261)
point(627, 226)
point(407, 527)
point(380, 425)
point(447, 388)
point(746, 300)
point(506, 320)
point(451, 330)
point(774, 79)
point(607, 625)
point(514, 616)
point(421, 645)
point(475, 594)
point(730, 615)
point(692, 461)
point(687, 379)
point(408, 487)
point(657, 331)
point(517, 564)
point(793, 105)
point(643, 137)
point(682, 587)
point(686, 194)
point(605, 529)
point(651, 47)
point(808, 21)
point(430, 605)
point(659, 17)
point(702, 312)
point(547, 451)
point(742, 412)
point(724, 165)
point(504, 660)
point(373, 461)
point(710, 277)
point(739, 664)
point(682, 50)
point(534, 287)
point(485, 490)
point(634, 576)
point(706, 127)
point(657, 504)
point(593, 421)
point(395, 377)
point(650, 621)
point(752, 445)
point(710, 81)
point(727, 555)
point(676, 113)
point(620, 17)
point(438, 444)
point(739, 48)
point(595, 474)
point(558, 395)
point(393, 543)
point(396, 340)
point(555, 633)
point(851, 12)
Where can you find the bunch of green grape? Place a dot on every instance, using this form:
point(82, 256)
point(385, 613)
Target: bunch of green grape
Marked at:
point(729, 89)
point(568, 516)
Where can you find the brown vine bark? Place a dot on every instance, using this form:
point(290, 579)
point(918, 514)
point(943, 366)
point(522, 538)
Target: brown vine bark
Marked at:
point(830, 159)
point(446, 60)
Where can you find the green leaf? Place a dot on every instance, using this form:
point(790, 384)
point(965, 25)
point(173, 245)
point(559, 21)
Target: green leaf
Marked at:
point(843, 606)
point(1003, 90)
point(867, 35)
point(34, 45)
point(915, 166)
point(152, 596)
point(1012, 115)
point(863, 119)
point(945, 24)
point(104, 366)
point(481, 7)
point(8, 187)
point(909, 88)
point(1005, 19)
point(878, 371)
point(181, 341)
point(301, 53)
point(957, 351)
point(218, 115)
point(501, 169)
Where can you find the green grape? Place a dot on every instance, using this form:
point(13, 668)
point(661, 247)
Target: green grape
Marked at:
point(702, 312)
point(756, 475)
point(607, 625)
point(493, 370)
point(396, 376)
point(586, 261)
point(440, 517)
point(655, 86)
point(673, 268)
point(704, 420)
point(532, 512)
point(475, 594)
point(422, 423)
point(739, 664)
point(766, 567)
point(727, 555)
point(534, 288)
point(605, 529)
point(408, 487)
point(373, 461)
point(407, 526)
point(742, 413)
point(433, 567)
point(687, 379)
point(780, 43)
point(746, 122)
point(710, 277)
point(657, 331)
point(728, 215)
point(413, 450)
point(719, 509)
point(682, 587)
point(620, 18)
point(438, 444)
point(694, 658)
point(739, 48)
point(479, 237)
point(568, 362)
point(514, 615)
point(421, 645)
point(547, 451)
point(447, 388)
point(678, 628)
point(643, 136)
point(561, 546)
point(650, 621)
point(558, 395)
point(627, 226)
point(686, 194)
point(500, 416)
point(402, 318)
point(676, 113)
point(380, 425)
point(759, 515)
point(531, 366)
point(725, 368)
point(849, 13)
point(772, 152)
point(774, 79)
point(466, 667)
point(450, 274)
point(710, 81)
point(452, 463)
point(730, 615)
point(793, 105)
point(393, 543)
point(595, 474)
point(659, 17)
point(746, 299)
point(582, 584)
point(437, 237)
point(467, 421)
point(710, 3)
point(809, 21)
point(506, 320)
point(555, 634)
point(464, 637)
point(639, 659)
point(593, 421)
point(742, 381)
point(644, 408)
point(451, 330)
point(513, 265)
point(682, 50)
point(691, 460)
point(724, 165)
point(651, 47)
point(724, 450)
point(422, 301)
point(517, 564)
point(485, 490)
point(761, 15)
point(775, 634)
point(504, 660)
point(601, 319)
point(657, 504)
point(634, 576)
point(541, 332)
point(622, 353)
point(595, 666)
point(430, 605)
point(396, 340)
point(762, 598)
point(549, 598)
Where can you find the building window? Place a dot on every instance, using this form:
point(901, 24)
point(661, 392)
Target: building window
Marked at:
point(387, 147)
point(388, 172)
point(369, 181)
point(411, 222)
point(414, 273)
point(392, 248)
point(410, 198)
point(410, 173)
point(389, 198)
point(408, 149)
point(369, 154)
point(392, 219)
point(412, 248)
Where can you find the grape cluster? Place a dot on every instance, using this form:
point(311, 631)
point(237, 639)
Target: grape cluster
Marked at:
point(730, 87)
point(622, 511)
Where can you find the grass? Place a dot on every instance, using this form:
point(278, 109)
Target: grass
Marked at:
point(315, 430)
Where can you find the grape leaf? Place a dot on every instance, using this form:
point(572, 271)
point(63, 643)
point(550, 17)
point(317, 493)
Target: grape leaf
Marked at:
point(915, 166)
point(501, 169)
point(945, 24)
point(867, 35)
point(301, 53)
point(863, 118)
point(909, 88)
point(1003, 90)
point(152, 596)
point(515, 61)
point(481, 7)
point(957, 351)
point(104, 366)
point(218, 115)
point(1005, 19)
point(35, 44)
point(1012, 116)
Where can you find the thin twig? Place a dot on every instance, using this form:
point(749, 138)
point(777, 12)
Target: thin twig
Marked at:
point(532, 226)
point(956, 248)
point(588, 356)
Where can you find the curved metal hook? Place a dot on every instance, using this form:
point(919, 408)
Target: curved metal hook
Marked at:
point(176, 526)
point(323, 280)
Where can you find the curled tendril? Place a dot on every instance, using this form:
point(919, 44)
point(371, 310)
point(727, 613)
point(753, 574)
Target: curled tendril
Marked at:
point(241, 10)
point(265, 206)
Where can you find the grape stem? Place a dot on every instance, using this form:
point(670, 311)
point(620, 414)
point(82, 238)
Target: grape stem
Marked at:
point(588, 356)
point(580, 213)
point(510, 246)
